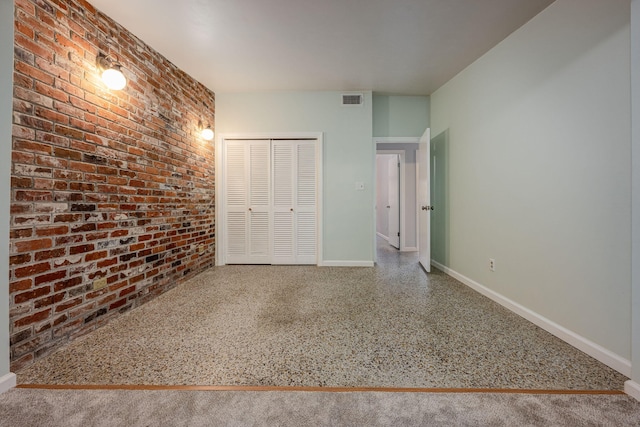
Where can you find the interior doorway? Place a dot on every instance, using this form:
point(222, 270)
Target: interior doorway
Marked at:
point(397, 227)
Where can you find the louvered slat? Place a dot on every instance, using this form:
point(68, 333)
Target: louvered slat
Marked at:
point(259, 174)
point(306, 174)
point(236, 190)
point(282, 174)
point(236, 234)
point(306, 236)
point(283, 237)
point(259, 237)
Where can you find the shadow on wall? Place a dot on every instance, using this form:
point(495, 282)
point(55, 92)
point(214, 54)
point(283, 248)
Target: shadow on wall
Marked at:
point(440, 198)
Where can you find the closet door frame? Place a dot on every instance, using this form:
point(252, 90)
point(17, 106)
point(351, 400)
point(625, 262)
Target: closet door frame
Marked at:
point(220, 196)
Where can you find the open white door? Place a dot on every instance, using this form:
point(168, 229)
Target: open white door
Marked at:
point(424, 201)
point(394, 201)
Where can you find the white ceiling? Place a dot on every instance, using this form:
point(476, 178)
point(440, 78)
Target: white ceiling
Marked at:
point(388, 46)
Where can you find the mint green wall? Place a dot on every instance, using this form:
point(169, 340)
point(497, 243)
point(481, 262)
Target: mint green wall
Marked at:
point(440, 198)
point(635, 108)
point(348, 229)
point(400, 116)
point(6, 96)
point(539, 171)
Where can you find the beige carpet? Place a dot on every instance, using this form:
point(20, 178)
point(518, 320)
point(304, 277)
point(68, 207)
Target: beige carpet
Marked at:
point(69, 408)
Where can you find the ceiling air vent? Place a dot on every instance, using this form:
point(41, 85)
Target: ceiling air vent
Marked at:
point(352, 99)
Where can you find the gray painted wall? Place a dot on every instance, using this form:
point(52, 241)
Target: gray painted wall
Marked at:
point(6, 97)
point(538, 133)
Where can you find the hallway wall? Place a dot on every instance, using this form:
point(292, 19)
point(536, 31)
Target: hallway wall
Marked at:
point(539, 173)
point(112, 191)
point(400, 115)
point(382, 194)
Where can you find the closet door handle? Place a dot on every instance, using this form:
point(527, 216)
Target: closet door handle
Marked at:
point(249, 209)
point(291, 209)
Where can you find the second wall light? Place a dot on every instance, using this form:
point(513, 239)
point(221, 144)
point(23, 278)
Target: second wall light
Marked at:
point(111, 70)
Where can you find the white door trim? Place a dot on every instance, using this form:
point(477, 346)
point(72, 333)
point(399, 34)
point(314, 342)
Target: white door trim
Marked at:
point(396, 140)
point(219, 188)
point(423, 176)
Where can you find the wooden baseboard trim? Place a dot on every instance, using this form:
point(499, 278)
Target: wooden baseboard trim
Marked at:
point(309, 389)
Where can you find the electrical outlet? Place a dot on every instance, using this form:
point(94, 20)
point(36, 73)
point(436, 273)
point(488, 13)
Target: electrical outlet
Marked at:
point(492, 264)
point(99, 283)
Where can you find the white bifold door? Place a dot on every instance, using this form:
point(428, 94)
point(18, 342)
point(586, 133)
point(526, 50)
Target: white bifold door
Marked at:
point(270, 201)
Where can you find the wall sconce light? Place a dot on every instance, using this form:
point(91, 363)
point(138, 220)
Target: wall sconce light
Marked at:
point(207, 133)
point(112, 74)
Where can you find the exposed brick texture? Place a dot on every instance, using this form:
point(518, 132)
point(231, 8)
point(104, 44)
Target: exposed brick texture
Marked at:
point(112, 191)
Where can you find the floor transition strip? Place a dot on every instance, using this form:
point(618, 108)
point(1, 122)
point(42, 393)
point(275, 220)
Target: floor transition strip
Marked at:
point(309, 389)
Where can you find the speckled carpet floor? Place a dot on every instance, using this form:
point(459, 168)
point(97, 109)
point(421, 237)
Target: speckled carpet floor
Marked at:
point(388, 326)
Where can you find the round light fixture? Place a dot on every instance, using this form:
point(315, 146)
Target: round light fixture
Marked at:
point(112, 75)
point(207, 134)
point(113, 78)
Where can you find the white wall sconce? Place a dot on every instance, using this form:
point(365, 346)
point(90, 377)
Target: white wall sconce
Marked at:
point(207, 133)
point(111, 70)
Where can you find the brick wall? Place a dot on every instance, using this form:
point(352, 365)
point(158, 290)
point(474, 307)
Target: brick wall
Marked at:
point(112, 191)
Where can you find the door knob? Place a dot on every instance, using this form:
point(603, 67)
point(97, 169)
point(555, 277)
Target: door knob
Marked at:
point(388, 207)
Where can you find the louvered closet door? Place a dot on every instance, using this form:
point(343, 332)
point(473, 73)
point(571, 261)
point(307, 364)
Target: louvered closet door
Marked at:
point(248, 202)
point(282, 157)
point(294, 202)
point(306, 219)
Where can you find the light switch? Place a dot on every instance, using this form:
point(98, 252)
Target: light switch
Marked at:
point(359, 186)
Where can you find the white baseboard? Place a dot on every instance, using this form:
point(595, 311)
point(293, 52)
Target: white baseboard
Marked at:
point(409, 249)
point(382, 236)
point(7, 382)
point(632, 388)
point(346, 264)
point(594, 350)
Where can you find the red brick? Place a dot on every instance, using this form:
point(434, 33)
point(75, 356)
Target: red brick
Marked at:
point(50, 277)
point(32, 269)
point(32, 245)
point(52, 231)
point(17, 182)
point(34, 318)
point(66, 284)
point(21, 233)
point(63, 306)
point(48, 301)
point(95, 256)
point(81, 249)
point(30, 295)
point(19, 259)
point(33, 195)
point(52, 254)
point(21, 285)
